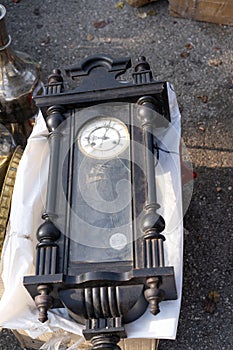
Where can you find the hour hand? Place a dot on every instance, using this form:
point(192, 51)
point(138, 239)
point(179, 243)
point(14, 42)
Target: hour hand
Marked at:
point(104, 137)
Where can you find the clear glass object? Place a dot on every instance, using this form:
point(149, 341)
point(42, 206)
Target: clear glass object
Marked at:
point(19, 81)
point(102, 202)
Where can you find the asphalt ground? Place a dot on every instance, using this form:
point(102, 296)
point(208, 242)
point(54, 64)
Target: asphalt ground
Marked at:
point(197, 58)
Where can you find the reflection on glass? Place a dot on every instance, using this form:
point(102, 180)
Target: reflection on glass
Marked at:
point(101, 203)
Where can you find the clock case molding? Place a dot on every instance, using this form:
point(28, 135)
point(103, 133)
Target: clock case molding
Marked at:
point(105, 295)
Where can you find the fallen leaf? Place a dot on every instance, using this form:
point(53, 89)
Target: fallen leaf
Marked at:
point(215, 62)
point(189, 46)
point(184, 54)
point(209, 305)
point(210, 302)
point(214, 295)
point(100, 24)
point(146, 14)
point(151, 13)
point(142, 15)
point(119, 5)
point(89, 37)
point(203, 98)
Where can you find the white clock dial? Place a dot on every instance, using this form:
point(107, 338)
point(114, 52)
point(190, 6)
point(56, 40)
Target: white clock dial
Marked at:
point(103, 137)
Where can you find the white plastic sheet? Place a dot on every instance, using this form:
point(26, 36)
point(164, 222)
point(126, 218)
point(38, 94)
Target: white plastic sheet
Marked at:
point(17, 309)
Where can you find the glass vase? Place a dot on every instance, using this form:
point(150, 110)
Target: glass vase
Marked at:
point(19, 81)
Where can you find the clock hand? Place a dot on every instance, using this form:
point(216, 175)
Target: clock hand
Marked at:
point(106, 130)
point(104, 137)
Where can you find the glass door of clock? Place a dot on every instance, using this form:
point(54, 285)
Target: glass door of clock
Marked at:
point(101, 208)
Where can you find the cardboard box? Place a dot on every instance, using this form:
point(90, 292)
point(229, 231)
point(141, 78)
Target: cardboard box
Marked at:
point(125, 344)
point(216, 11)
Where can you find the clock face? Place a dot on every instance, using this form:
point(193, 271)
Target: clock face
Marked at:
point(103, 137)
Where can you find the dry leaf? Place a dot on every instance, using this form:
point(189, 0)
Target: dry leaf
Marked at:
point(210, 302)
point(214, 296)
point(151, 13)
point(142, 15)
point(100, 24)
point(145, 14)
point(120, 5)
point(89, 37)
point(209, 305)
point(215, 62)
point(184, 54)
point(189, 46)
point(203, 98)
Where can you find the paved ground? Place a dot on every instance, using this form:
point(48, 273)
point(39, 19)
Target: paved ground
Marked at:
point(198, 59)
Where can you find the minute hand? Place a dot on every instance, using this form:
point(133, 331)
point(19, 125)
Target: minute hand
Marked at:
point(106, 130)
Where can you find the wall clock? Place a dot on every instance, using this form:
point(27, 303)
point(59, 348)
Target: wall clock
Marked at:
point(100, 249)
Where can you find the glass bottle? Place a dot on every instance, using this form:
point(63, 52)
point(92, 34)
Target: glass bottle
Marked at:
point(19, 81)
